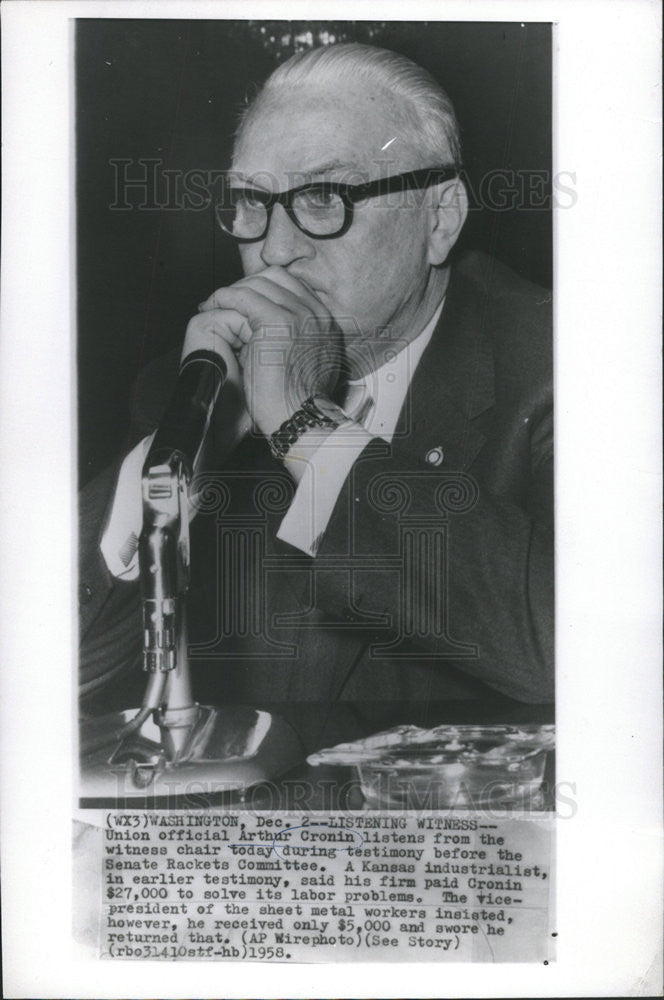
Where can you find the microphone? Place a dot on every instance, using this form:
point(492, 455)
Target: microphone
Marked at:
point(184, 426)
point(163, 546)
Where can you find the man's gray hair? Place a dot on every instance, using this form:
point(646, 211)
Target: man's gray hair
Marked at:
point(420, 104)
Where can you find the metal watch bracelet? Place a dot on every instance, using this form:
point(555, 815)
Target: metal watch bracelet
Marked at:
point(309, 415)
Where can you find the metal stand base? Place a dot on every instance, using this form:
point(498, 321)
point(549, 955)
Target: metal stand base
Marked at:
point(222, 750)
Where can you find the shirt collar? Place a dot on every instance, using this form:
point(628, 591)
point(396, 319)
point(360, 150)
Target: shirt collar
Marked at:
point(379, 395)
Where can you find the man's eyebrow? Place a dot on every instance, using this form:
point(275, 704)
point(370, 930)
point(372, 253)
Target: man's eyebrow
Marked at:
point(316, 170)
point(328, 166)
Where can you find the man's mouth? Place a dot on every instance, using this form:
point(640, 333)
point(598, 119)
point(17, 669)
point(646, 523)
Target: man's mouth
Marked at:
point(317, 292)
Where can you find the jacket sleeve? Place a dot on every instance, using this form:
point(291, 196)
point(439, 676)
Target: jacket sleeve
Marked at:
point(109, 610)
point(110, 641)
point(110, 628)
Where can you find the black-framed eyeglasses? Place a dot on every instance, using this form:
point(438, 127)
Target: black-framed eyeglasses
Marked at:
point(322, 210)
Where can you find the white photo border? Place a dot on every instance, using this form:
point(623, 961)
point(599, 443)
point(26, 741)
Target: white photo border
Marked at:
point(607, 296)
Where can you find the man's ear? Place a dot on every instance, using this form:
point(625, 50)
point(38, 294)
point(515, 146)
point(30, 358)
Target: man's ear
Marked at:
point(448, 216)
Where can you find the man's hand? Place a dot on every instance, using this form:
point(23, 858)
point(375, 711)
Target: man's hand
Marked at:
point(283, 338)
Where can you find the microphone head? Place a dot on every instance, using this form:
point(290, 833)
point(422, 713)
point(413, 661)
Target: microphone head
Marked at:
point(206, 357)
point(184, 425)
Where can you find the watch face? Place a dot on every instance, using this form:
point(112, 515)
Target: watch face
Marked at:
point(329, 409)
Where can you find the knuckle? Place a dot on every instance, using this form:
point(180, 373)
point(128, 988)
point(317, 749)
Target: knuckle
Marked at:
point(195, 323)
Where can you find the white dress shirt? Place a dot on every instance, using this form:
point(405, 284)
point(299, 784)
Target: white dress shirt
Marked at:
point(377, 398)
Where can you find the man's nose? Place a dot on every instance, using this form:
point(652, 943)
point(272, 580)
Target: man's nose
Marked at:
point(284, 242)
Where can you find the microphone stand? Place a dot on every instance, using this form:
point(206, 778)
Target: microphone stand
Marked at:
point(173, 745)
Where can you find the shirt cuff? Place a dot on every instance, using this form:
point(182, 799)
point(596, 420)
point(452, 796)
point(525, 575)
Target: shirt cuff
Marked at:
point(319, 488)
point(119, 542)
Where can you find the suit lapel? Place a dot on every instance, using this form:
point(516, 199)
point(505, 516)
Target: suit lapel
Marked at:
point(453, 384)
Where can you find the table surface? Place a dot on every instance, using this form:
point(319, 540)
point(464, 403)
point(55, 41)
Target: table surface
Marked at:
point(316, 725)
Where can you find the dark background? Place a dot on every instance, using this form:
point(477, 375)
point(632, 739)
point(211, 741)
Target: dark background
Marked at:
point(170, 90)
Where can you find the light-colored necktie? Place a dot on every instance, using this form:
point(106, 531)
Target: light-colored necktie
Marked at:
point(357, 403)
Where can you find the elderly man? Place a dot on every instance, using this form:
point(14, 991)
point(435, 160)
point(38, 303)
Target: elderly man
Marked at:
point(381, 521)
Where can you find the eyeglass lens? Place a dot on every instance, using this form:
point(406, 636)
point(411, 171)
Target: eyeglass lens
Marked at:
point(317, 210)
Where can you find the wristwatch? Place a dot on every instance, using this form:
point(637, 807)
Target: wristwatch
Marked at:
point(316, 411)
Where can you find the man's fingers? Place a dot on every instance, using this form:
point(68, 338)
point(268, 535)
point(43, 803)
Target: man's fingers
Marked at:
point(221, 298)
point(218, 331)
point(273, 285)
point(273, 291)
point(257, 308)
point(278, 282)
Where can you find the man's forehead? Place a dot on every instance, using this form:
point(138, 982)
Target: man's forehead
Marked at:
point(319, 133)
point(310, 167)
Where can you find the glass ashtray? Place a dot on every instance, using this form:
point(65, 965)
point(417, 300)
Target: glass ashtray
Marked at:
point(448, 767)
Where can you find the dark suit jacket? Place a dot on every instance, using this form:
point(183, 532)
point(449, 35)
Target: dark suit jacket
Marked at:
point(434, 578)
